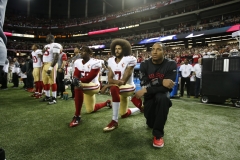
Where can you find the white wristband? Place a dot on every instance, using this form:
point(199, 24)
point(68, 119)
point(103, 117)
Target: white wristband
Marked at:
point(50, 68)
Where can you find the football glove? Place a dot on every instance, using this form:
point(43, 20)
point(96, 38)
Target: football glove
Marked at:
point(76, 82)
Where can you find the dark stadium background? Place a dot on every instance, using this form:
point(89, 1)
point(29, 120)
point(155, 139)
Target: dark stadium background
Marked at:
point(59, 7)
point(153, 20)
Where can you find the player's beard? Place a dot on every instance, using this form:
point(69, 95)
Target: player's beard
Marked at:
point(119, 55)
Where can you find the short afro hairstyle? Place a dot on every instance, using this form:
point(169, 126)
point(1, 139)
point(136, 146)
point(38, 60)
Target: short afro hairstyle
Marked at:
point(87, 49)
point(126, 46)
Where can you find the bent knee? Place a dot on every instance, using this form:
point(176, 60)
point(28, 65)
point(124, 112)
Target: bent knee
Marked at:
point(88, 110)
point(160, 96)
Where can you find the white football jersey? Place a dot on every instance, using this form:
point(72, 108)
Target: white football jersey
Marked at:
point(87, 67)
point(48, 54)
point(118, 69)
point(101, 61)
point(37, 62)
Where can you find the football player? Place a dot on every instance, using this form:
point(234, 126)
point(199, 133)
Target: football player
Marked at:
point(37, 70)
point(120, 78)
point(85, 80)
point(51, 53)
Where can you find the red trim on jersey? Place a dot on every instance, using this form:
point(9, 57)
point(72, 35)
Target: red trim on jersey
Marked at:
point(77, 73)
point(64, 57)
point(92, 74)
point(85, 88)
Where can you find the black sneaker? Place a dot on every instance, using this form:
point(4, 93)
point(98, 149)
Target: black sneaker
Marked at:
point(52, 101)
point(75, 121)
point(45, 99)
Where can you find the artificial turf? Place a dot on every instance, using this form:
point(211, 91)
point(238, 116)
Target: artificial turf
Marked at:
point(33, 130)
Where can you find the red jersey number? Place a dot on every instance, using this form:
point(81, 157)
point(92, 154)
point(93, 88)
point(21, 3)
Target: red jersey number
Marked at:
point(35, 60)
point(46, 53)
point(84, 74)
point(118, 73)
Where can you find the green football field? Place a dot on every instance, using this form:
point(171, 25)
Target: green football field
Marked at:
point(33, 130)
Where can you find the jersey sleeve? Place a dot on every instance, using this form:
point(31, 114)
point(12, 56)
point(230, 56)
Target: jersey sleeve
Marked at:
point(96, 64)
point(76, 73)
point(132, 61)
point(57, 48)
point(39, 52)
point(109, 62)
point(75, 63)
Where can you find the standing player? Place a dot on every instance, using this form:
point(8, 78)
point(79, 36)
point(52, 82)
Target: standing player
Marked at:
point(120, 79)
point(50, 58)
point(85, 80)
point(37, 70)
point(157, 76)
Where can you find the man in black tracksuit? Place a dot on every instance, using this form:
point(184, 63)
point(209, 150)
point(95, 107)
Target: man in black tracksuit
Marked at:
point(157, 76)
point(29, 70)
point(60, 74)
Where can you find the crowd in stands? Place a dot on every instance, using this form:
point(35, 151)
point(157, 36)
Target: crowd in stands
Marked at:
point(33, 22)
point(205, 24)
point(177, 54)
